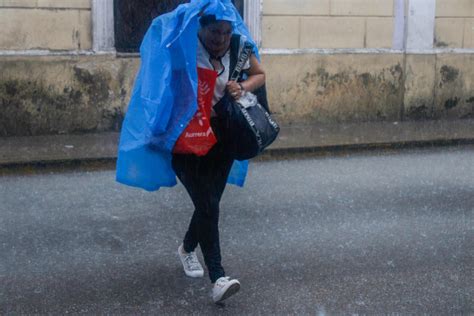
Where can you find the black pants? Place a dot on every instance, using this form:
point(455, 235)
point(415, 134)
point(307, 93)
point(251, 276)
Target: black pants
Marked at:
point(205, 179)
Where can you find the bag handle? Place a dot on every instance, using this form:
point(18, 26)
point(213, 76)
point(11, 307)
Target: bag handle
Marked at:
point(244, 56)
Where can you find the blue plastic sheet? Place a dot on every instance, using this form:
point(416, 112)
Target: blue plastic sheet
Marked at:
point(164, 98)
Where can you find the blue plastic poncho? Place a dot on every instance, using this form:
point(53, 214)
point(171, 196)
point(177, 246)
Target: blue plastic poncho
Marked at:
point(164, 98)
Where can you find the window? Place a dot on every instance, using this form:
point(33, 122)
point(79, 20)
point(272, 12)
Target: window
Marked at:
point(132, 19)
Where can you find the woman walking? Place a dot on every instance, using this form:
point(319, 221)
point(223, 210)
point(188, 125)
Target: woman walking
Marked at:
point(206, 34)
point(205, 177)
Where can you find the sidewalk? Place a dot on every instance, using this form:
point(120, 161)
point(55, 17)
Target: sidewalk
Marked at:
point(59, 148)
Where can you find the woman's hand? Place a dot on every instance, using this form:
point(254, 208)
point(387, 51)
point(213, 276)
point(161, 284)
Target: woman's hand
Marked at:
point(256, 78)
point(235, 89)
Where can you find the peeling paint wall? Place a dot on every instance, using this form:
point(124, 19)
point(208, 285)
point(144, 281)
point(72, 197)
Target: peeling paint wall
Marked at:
point(439, 87)
point(335, 88)
point(454, 91)
point(55, 95)
point(419, 87)
point(69, 95)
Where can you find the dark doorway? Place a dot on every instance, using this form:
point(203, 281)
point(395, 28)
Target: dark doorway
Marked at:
point(132, 19)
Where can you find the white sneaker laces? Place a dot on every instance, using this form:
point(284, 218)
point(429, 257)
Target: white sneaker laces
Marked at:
point(223, 281)
point(192, 261)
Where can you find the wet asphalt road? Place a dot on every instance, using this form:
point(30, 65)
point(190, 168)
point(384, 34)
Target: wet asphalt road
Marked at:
point(360, 233)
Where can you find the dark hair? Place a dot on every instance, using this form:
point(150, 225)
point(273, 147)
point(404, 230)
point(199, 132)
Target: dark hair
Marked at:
point(207, 19)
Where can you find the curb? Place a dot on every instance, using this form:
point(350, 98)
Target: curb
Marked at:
point(67, 152)
point(100, 164)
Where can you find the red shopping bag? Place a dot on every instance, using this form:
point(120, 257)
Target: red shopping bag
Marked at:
point(198, 137)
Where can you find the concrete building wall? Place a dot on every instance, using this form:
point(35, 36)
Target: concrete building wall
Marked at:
point(56, 95)
point(67, 24)
point(64, 94)
point(45, 25)
point(337, 61)
point(327, 23)
point(454, 23)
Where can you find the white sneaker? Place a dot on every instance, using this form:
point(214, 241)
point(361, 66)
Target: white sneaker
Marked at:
point(224, 288)
point(190, 262)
